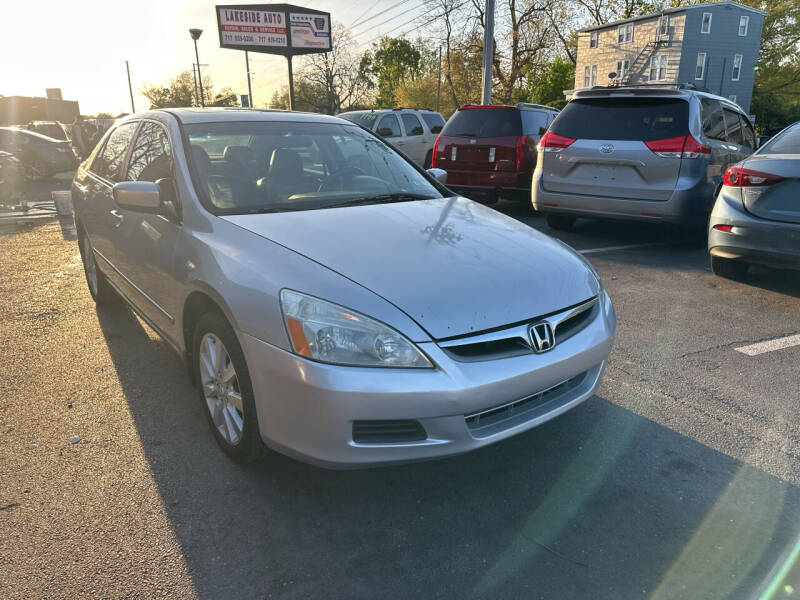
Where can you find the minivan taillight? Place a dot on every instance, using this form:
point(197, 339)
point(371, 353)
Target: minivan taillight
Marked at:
point(435, 152)
point(552, 142)
point(741, 177)
point(683, 146)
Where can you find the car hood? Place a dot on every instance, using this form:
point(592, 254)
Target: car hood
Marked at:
point(453, 265)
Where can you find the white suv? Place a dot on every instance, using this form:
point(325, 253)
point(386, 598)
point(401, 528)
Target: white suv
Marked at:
point(412, 130)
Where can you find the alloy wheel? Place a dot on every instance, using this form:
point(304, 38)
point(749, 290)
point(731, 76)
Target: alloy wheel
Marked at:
point(221, 390)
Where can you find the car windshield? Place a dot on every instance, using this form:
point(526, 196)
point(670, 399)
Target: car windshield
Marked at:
point(249, 167)
point(623, 119)
point(787, 142)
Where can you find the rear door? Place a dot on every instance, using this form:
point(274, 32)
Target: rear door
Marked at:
point(480, 139)
point(713, 123)
point(415, 145)
point(609, 156)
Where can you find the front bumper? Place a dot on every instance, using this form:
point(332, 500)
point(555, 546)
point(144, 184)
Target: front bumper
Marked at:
point(752, 239)
point(306, 409)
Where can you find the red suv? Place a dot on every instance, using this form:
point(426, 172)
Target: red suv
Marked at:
point(489, 151)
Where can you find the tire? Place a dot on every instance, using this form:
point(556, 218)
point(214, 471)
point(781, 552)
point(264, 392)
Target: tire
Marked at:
point(428, 158)
point(101, 291)
point(225, 388)
point(560, 222)
point(728, 268)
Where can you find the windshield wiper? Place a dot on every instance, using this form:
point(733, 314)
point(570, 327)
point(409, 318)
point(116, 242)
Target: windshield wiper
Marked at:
point(380, 199)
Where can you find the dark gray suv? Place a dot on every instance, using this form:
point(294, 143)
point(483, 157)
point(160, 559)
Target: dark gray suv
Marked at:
point(644, 153)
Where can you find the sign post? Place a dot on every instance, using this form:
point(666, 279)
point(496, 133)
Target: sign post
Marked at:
point(283, 29)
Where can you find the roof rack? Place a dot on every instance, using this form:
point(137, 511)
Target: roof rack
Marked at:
point(532, 105)
point(412, 108)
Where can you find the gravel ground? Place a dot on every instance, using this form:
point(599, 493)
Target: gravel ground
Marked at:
point(679, 480)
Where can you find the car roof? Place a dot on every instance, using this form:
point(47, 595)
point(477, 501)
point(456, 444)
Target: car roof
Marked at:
point(190, 116)
point(31, 133)
point(650, 91)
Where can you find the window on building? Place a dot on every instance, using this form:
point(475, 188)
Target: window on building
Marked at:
point(663, 26)
point(700, 69)
point(658, 67)
point(589, 76)
point(622, 68)
point(625, 33)
point(593, 39)
point(737, 67)
point(706, 25)
point(744, 22)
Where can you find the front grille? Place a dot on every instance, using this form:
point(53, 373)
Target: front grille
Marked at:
point(514, 340)
point(491, 421)
point(388, 432)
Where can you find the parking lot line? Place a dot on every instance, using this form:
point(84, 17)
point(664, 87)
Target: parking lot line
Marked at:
point(629, 246)
point(770, 345)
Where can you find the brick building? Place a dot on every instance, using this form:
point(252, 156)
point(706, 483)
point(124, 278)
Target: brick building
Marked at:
point(713, 45)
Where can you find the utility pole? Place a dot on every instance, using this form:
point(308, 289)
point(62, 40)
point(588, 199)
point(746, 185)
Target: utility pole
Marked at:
point(130, 88)
point(196, 33)
point(194, 78)
point(439, 80)
point(488, 52)
point(249, 87)
point(291, 83)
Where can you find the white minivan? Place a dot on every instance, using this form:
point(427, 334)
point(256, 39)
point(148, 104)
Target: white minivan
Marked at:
point(412, 130)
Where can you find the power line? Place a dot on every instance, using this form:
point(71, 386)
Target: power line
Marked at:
point(420, 26)
point(364, 14)
point(384, 11)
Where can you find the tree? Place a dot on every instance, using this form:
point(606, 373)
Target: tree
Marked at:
point(181, 92)
point(391, 63)
point(335, 78)
point(547, 85)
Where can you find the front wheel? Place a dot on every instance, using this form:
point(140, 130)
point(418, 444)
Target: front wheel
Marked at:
point(99, 288)
point(225, 388)
point(560, 222)
point(728, 268)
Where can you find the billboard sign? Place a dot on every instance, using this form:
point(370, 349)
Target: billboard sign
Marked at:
point(310, 30)
point(282, 29)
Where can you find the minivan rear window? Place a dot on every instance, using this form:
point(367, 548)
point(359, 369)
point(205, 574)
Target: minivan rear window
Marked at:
point(483, 123)
point(623, 119)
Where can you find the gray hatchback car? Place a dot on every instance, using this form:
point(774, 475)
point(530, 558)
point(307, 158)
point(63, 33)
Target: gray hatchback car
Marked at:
point(756, 218)
point(331, 298)
point(645, 153)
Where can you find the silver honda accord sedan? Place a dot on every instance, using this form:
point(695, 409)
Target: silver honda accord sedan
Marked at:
point(332, 300)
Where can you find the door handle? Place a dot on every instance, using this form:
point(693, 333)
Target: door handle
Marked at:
point(118, 216)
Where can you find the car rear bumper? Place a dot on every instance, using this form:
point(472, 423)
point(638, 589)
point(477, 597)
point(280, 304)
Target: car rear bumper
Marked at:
point(752, 239)
point(513, 184)
point(307, 409)
point(687, 206)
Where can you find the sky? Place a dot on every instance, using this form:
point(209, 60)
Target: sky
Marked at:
point(81, 46)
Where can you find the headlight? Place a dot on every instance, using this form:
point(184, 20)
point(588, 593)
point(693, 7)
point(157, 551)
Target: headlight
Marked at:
point(334, 334)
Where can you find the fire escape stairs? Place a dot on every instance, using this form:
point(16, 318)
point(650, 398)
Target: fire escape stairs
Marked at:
point(641, 59)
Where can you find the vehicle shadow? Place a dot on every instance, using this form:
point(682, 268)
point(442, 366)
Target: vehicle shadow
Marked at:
point(598, 503)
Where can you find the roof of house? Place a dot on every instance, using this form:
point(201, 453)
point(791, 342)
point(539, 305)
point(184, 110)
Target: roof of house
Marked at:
point(667, 11)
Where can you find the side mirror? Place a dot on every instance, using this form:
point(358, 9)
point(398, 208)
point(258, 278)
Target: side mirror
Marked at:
point(138, 196)
point(439, 175)
point(385, 131)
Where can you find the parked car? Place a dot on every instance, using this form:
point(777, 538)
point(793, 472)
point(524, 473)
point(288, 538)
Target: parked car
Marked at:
point(756, 218)
point(343, 315)
point(41, 156)
point(642, 153)
point(489, 151)
point(412, 130)
point(10, 178)
point(53, 129)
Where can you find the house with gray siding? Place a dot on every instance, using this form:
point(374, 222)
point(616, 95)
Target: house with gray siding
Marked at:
point(713, 45)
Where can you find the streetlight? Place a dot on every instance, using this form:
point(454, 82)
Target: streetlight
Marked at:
point(196, 33)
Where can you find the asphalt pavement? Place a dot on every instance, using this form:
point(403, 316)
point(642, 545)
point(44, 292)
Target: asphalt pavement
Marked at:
point(678, 480)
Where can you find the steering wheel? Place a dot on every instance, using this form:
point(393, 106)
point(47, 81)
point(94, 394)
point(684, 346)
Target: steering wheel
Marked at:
point(335, 178)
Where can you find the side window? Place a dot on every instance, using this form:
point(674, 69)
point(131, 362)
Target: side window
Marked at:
point(733, 127)
point(713, 121)
point(151, 155)
point(412, 125)
point(108, 163)
point(435, 121)
point(534, 122)
point(747, 133)
point(388, 126)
